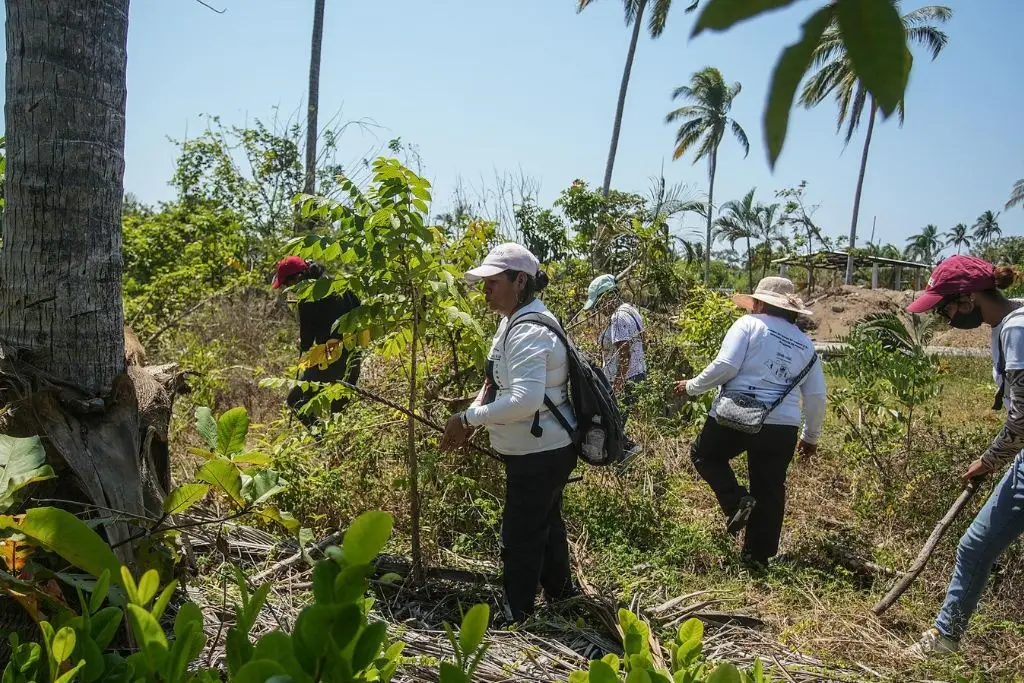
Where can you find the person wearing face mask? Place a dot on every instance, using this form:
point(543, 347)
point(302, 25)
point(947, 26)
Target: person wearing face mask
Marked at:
point(965, 291)
point(526, 363)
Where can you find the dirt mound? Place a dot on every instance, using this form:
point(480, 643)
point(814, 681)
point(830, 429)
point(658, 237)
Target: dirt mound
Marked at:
point(838, 310)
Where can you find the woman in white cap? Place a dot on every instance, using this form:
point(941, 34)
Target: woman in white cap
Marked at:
point(526, 364)
point(622, 344)
point(763, 358)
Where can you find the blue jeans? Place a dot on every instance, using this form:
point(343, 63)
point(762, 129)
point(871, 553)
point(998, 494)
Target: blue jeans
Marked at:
point(998, 524)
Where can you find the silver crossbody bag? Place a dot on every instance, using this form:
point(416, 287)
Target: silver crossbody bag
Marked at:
point(744, 413)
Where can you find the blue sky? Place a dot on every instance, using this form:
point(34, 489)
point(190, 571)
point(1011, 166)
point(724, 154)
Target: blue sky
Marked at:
point(482, 86)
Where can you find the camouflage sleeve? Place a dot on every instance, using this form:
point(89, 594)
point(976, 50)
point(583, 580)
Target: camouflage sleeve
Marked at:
point(1010, 440)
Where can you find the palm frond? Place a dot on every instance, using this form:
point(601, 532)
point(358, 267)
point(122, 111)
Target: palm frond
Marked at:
point(927, 14)
point(897, 333)
point(1016, 194)
point(741, 136)
point(659, 17)
point(688, 112)
point(928, 37)
point(856, 111)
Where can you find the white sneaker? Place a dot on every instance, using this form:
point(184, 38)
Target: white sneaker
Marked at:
point(932, 643)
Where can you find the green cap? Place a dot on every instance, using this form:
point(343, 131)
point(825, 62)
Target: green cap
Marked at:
point(599, 286)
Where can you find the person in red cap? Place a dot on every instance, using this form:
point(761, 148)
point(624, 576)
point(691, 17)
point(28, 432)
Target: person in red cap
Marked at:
point(965, 291)
point(316, 326)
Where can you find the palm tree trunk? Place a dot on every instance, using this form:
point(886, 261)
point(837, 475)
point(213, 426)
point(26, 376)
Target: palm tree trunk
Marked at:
point(61, 263)
point(61, 258)
point(711, 204)
point(750, 267)
point(616, 127)
point(856, 195)
point(309, 186)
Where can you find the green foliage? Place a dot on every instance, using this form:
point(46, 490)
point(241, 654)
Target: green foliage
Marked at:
point(687, 662)
point(242, 476)
point(888, 377)
point(543, 231)
point(468, 647)
point(22, 463)
point(871, 33)
point(332, 639)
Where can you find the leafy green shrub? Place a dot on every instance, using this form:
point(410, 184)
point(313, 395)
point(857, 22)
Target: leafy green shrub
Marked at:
point(332, 639)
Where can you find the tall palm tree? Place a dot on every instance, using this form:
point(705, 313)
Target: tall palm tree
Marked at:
point(703, 126)
point(738, 221)
point(925, 245)
point(958, 237)
point(1016, 195)
point(987, 227)
point(835, 74)
point(769, 230)
point(655, 26)
point(309, 186)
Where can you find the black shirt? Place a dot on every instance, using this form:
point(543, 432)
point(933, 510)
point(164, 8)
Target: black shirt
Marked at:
point(316, 318)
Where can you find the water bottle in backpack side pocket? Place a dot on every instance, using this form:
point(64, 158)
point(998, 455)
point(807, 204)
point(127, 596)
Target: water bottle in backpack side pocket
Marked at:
point(593, 441)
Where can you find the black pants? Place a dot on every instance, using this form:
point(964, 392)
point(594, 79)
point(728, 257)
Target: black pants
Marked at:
point(769, 453)
point(534, 548)
point(345, 368)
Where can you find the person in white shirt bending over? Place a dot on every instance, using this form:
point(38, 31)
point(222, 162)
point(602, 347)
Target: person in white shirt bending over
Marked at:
point(764, 356)
point(622, 342)
point(526, 363)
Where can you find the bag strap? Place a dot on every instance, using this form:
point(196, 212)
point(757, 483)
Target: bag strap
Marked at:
point(536, 429)
point(796, 381)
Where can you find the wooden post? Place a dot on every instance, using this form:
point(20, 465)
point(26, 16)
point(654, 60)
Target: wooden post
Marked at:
point(897, 278)
point(874, 275)
point(782, 270)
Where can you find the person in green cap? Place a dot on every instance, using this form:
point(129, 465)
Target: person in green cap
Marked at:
point(621, 342)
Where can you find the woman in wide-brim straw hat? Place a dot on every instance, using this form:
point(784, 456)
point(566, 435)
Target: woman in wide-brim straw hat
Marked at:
point(764, 355)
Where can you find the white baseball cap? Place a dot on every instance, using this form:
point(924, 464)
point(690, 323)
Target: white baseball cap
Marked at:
point(507, 256)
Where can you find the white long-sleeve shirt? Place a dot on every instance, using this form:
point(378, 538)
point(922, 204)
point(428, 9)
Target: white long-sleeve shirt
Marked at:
point(760, 355)
point(528, 365)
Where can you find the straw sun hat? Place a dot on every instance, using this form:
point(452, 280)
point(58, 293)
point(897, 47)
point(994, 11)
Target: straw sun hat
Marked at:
point(776, 291)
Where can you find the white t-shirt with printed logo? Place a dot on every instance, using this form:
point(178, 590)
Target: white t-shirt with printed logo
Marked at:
point(626, 324)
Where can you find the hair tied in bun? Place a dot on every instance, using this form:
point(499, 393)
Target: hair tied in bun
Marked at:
point(1004, 276)
point(542, 280)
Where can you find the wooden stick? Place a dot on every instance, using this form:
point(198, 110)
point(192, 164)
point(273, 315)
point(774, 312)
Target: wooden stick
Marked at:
point(926, 552)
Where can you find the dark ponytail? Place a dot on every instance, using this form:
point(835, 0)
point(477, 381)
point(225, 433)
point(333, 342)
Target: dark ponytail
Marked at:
point(542, 280)
point(314, 270)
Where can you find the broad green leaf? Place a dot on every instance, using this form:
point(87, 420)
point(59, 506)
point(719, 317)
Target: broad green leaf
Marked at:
point(149, 635)
point(601, 672)
point(163, 600)
point(368, 645)
point(637, 676)
point(63, 644)
point(188, 613)
point(725, 673)
point(258, 671)
point(262, 486)
point(99, 591)
point(474, 626)
point(277, 646)
point(350, 585)
point(206, 425)
point(366, 536)
point(183, 497)
point(612, 660)
point(149, 584)
point(324, 576)
point(253, 458)
point(70, 674)
point(718, 15)
point(232, 428)
point(452, 674)
point(579, 677)
point(224, 475)
point(129, 585)
point(62, 533)
point(105, 624)
point(876, 42)
point(789, 71)
point(285, 519)
point(688, 651)
point(690, 629)
point(22, 462)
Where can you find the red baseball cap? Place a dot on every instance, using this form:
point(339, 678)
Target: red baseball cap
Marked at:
point(288, 267)
point(955, 275)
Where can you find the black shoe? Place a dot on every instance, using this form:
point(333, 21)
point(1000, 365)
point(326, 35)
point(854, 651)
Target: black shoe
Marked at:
point(738, 520)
